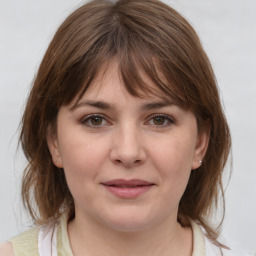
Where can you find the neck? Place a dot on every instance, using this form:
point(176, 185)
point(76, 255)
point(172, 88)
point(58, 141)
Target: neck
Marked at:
point(94, 239)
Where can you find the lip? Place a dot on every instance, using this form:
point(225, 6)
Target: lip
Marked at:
point(127, 189)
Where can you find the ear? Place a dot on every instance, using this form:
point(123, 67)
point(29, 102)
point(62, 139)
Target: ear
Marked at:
point(201, 147)
point(53, 146)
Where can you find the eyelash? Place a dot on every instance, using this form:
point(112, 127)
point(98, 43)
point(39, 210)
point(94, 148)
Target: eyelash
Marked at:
point(167, 118)
point(87, 119)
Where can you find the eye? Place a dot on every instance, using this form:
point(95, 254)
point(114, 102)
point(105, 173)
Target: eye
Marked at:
point(94, 121)
point(161, 120)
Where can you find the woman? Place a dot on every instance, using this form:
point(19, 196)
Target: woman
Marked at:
point(125, 138)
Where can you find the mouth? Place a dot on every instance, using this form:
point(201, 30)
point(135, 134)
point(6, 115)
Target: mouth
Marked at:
point(127, 189)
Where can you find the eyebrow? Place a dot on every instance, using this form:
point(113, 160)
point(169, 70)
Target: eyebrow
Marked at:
point(156, 105)
point(106, 106)
point(96, 104)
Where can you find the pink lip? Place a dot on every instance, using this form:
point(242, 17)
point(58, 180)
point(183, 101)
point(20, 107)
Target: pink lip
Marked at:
point(127, 188)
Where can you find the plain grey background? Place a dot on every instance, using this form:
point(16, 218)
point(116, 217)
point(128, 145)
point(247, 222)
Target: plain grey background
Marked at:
point(227, 31)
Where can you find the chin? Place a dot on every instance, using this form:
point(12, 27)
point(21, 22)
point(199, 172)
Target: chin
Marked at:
point(129, 222)
point(128, 226)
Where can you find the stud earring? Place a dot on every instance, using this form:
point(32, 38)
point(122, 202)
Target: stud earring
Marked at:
point(200, 161)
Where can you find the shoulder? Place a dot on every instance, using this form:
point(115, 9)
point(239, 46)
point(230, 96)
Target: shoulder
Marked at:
point(6, 249)
point(25, 243)
point(203, 246)
point(212, 249)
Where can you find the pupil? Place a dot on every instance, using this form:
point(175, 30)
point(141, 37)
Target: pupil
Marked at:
point(159, 120)
point(96, 120)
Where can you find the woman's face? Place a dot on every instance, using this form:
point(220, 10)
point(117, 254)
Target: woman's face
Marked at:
point(127, 160)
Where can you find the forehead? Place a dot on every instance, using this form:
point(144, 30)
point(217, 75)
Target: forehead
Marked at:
point(110, 86)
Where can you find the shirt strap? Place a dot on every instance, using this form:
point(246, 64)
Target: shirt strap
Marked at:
point(47, 240)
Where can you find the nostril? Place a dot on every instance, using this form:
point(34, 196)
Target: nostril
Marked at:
point(128, 163)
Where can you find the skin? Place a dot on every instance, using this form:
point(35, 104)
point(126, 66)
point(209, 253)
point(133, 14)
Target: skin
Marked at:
point(126, 140)
point(6, 249)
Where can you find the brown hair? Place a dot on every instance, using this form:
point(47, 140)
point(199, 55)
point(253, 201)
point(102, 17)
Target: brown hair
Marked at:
point(147, 38)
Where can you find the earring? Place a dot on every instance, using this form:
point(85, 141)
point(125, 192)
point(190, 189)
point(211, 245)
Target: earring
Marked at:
point(200, 162)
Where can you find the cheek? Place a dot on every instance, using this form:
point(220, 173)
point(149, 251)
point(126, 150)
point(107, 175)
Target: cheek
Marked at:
point(173, 160)
point(174, 155)
point(82, 157)
point(82, 162)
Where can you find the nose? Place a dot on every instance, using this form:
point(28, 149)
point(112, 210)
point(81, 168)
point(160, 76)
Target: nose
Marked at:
point(127, 148)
